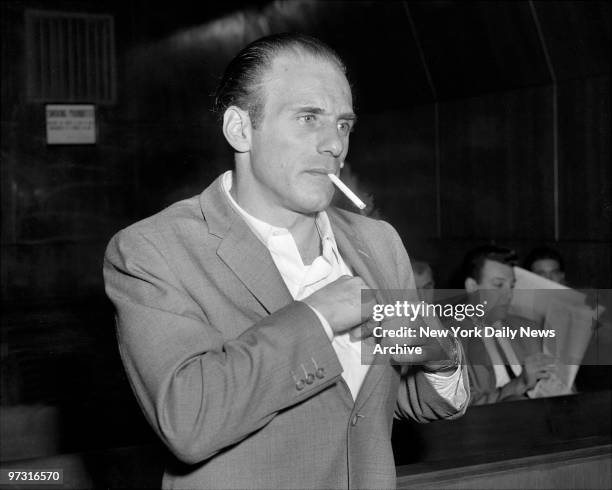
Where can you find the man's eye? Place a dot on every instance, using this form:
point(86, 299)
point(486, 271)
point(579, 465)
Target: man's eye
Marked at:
point(344, 127)
point(308, 118)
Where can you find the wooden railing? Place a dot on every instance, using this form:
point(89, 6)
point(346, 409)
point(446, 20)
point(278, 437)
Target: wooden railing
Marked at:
point(587, 468)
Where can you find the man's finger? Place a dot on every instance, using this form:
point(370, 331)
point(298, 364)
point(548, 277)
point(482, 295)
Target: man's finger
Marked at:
point(364, 330)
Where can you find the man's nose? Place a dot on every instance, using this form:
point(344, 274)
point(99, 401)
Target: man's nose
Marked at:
point(507, 293)
point(331, 142)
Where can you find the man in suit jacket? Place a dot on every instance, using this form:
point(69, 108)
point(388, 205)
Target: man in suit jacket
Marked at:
point(500, 368)
point(237, 309)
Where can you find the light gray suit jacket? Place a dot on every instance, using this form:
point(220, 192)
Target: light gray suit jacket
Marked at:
point(215, 349)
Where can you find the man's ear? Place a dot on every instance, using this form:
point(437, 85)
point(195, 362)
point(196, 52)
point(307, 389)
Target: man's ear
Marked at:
point(237, 128)
point(471, 286)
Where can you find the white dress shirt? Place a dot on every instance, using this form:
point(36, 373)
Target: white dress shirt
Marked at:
point(302, 280)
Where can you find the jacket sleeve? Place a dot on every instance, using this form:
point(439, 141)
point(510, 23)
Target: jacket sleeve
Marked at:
point(417, 398)
point(200, 393)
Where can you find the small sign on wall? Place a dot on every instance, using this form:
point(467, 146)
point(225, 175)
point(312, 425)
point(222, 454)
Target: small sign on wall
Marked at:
point(71, 124)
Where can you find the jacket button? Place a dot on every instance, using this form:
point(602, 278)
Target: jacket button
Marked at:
point(356, 418)
point(310, 378)
point(300, 384)
point(320, 373)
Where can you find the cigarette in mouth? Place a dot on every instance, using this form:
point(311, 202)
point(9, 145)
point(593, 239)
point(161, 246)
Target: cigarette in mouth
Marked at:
point(347, 192)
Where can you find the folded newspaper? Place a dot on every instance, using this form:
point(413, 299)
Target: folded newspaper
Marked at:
point(560, 308)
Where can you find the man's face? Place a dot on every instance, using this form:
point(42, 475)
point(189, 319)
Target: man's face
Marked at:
point(303, 134)
point(495, 287)
point(425, 285)
point(550, 269)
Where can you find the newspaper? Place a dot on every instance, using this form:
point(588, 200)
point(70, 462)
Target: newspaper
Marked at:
point(560, 308)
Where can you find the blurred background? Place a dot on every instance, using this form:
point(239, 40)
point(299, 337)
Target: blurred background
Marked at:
point(479, 122)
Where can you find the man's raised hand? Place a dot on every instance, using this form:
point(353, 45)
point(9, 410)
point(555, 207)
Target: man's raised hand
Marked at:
point(340, 303)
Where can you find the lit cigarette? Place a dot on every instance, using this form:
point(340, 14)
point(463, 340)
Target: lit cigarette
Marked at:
point(347, 192)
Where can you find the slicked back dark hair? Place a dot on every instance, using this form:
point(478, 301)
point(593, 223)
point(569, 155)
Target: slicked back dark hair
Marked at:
point(474, 260)
point(240, 84)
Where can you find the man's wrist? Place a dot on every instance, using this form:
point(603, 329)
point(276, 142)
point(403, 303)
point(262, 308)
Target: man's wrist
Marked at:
point(323, 320)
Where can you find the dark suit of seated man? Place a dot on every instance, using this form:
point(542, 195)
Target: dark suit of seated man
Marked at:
point(500, 367)
point(237, 308)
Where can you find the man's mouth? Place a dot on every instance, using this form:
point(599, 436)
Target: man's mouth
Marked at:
point(322, 171)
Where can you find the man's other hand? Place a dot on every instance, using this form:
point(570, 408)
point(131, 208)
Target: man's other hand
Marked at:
point(537, 366)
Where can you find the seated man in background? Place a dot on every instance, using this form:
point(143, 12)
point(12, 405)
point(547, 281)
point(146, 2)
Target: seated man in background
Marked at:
point(546, 262)
point(424, 280)
point(500, 367)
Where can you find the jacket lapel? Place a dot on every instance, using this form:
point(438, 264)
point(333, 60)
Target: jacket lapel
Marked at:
point(355, 252)
point(251, 261)
point(359, 257)
point(242, 251)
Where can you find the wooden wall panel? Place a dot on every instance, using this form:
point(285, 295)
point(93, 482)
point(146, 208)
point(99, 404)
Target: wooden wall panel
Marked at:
point(393, 153)
point(577, 36)
point(585, 187)
point(588, 264)
point(496, 171)
point(477, 47)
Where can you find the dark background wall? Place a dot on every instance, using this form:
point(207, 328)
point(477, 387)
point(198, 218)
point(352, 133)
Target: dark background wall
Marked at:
point(479, 121)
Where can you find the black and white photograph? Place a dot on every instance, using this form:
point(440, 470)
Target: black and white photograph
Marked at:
point(306, 244)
